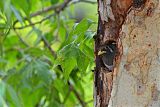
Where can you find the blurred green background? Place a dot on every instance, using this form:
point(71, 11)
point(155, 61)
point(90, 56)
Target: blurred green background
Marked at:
point(47, 53)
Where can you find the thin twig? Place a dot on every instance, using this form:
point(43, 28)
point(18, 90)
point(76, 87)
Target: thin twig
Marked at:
point(43, 38)
point(78, 96)
point(21, 38)
point(45, 10)
point(57, 9)
point(46, 43)
point(48, 46)
point(38, 22)
point(84, 1)
point(32, 24)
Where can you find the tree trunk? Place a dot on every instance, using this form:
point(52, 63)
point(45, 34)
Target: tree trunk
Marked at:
point(134, 80)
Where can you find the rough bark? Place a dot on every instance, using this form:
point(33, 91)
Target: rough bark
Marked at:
point(112, 14)
point(134, 26)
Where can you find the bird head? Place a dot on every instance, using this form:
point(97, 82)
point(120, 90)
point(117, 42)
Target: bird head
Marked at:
point(110, 47)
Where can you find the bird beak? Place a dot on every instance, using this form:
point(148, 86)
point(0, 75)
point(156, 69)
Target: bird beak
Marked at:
point(101, 52)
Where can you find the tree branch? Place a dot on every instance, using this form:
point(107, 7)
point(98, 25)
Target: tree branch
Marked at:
point(59, 7)
point(56, 8)
point(46, 43)
point(85, 1)
point(48, 46)
point(31, 24)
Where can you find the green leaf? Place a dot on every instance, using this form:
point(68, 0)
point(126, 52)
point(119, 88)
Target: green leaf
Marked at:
point(13, 98)
point(16, 13)
point(83, 26)
point(28, 71)
point(2, 102)
point(3, 63)
point(58, 84)
point(88, 51)
point(8, 11)
point(77, 34)
point(3, 26)
point(35, 51)
point(2, 94)
point(71, 56)
point(2, 88)
point(24, 5)
point(68, 65)
point(42, 69)
point(79, 87)
point(39, 35)
point(54, 1)
point(82, 61)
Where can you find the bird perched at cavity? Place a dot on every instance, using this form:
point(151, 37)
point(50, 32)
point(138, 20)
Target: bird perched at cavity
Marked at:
point(108, 53)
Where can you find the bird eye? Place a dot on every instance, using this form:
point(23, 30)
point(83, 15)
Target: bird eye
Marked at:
point(114, 43)
point(111, 42)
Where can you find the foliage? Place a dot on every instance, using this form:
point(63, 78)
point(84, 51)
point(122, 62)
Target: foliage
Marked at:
point(46, 57)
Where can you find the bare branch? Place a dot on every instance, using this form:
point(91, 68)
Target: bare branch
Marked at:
point(57, 9)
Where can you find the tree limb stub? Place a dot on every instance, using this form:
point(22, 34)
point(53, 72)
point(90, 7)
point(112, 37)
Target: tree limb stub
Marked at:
point(112, 15)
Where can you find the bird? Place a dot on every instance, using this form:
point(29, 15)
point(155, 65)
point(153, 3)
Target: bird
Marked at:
point(108, 53)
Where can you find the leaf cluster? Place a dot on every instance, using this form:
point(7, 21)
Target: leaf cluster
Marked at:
point(45, 57)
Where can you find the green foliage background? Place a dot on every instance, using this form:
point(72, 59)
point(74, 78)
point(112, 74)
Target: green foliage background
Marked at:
point(47, 60)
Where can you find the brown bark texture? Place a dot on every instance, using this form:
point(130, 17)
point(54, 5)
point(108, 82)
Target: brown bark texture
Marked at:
point(114, 15)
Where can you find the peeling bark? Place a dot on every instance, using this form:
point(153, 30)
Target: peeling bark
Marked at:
point(112, 15)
